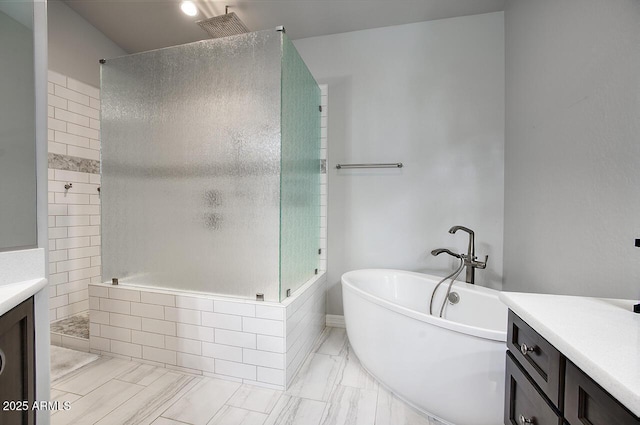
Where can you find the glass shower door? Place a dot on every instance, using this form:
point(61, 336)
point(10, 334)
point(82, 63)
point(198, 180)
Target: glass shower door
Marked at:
point(300, 172)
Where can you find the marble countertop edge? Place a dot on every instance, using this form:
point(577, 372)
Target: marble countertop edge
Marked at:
point(13, 294)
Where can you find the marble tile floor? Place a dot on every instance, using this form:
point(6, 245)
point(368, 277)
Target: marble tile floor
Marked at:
point(331, 388)
point(64, 361)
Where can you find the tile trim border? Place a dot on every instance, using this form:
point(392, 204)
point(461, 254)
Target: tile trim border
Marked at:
point(73, 163)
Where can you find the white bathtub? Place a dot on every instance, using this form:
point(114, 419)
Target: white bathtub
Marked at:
point(451, 368)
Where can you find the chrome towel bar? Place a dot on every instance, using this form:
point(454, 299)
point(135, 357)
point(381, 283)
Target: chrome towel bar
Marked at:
point(388, 165)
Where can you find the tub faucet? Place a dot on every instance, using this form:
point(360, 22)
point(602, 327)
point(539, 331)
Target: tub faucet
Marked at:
point(470, 259)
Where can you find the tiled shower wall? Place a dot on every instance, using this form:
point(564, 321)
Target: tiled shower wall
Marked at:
point(74, 213)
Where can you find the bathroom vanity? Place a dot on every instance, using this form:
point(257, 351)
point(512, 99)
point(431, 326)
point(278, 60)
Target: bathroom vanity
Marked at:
point(17, 351)
point(571, 360)
point(17, 364)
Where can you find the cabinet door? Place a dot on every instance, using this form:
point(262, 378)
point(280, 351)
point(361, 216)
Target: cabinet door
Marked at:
point(17, 376)
point(524, 404)
point(586, 403)
point(541, 360)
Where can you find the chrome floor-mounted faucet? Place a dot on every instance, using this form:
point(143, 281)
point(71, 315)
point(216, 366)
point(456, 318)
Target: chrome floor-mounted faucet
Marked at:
point(470, 259)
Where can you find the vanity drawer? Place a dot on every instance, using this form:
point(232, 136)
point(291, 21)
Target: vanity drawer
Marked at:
point(589, 404)
point(541, 360)
point(17, 364)
point(524, 404)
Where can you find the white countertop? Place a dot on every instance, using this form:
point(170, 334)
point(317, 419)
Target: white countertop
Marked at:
point(600, 336)
point(13, 294)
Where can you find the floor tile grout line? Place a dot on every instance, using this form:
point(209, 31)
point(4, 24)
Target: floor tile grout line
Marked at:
point(197, 382)
point(74, 373)
point(325, 414)
point(308, 399)
point(68, 392)
point(114, 407)
point(225, 402)
point(169, 419)
point(188, 386)
point(251, 410)
point(375, 416)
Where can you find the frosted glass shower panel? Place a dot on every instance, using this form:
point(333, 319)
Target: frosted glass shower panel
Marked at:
point(191, 166)
point(300, 188)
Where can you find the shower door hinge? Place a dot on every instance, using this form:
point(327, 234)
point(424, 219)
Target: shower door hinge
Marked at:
point(319, 251)
point(281, 29)
point(320, 108)
point(288, 293)
point(316, 272)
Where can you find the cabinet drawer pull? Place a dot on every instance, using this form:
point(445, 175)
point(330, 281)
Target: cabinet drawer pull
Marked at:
point(2, 361)
point(525, 349)
point(525, 421)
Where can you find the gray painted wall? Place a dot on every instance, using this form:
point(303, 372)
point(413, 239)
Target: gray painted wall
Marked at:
point(572, 171)
point(432, 96)
point(17, 130)
point(75, 46)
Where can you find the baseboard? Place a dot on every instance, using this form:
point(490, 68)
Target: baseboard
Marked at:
point(335, 321)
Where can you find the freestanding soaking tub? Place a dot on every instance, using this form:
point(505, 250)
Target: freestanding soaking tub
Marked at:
point(451, 368)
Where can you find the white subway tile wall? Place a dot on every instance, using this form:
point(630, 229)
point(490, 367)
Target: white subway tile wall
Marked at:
point(305, 320)
point(255, 342)
point(74, 214)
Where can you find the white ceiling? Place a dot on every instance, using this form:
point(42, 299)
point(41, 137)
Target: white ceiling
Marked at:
point(151, 24)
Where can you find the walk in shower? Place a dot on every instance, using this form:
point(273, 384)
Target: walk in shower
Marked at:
point(211, 167)
point(210, 198)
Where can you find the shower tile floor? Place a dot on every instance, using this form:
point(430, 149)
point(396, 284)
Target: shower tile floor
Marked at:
point(77, 326)
point(72, 332)
point(331, 388)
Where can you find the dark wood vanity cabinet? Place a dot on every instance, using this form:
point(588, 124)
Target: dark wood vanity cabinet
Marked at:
point(17, 371)
point(588, 403)
point(543, 387)
point(525, 401)
point(542, 362)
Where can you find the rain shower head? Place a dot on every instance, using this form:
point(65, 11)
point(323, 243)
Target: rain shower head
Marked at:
point(223, 25)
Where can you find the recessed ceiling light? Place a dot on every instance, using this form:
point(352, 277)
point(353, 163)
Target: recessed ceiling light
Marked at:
point(189, 8)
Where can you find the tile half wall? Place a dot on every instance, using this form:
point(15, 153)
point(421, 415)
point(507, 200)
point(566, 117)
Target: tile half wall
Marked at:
point(258, 343)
